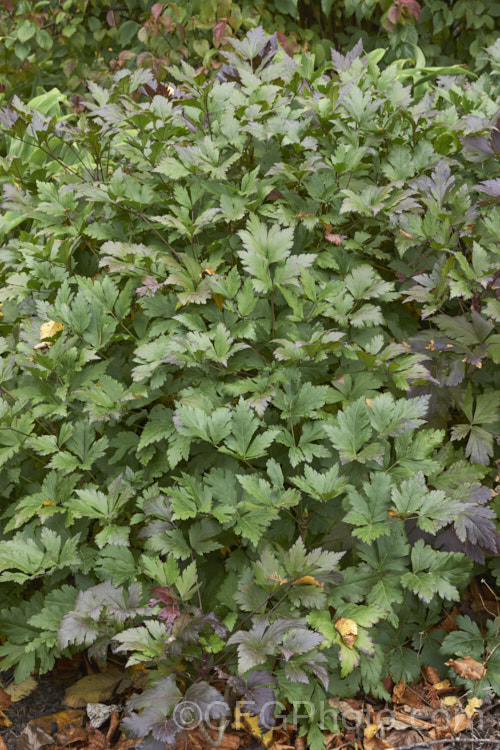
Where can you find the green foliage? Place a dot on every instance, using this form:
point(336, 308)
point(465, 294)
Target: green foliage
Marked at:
point(64, 44)
point(265, 387)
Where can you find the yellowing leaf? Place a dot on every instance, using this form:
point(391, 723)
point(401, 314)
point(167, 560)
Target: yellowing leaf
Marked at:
point(450, 700)
point(22, 690)
point(94, 688)
point(348, 630)
point(309, 581)
point(250, 724)
point(472, 706)
point(49, 329)
point(370, 731)
point(442, 685)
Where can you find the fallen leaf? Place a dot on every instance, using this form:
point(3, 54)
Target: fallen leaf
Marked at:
point(398, 692)
point(309, 581)
point(4, 720)
point(370, 731)
point(450, 700)
point(408, 696)
point(125, 743)
point(443, 685)
point(349, 713)
point(431, 675)
point(94, 688)
point(99, 713)
point(399, 738)
point(71, 736)
point(459, 723)
point(472, 706)
point(33, 738)
point(412, 721)
point(5, 699)
point(113, 725)
point(468, 668)
point(62, 721)
point(22, 690)
point(377, 743)
point(250, 724)
point(49, 329)
point(449, 624)
point(348, 630)
point(195, 741)
point(3, 746)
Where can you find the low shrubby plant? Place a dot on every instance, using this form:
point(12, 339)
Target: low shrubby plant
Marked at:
point(249, 363)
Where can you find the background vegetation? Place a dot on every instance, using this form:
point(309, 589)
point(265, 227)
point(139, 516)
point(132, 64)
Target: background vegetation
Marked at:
point(250, 346)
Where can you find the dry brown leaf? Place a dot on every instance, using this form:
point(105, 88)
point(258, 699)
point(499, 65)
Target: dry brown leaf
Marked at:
point(431, 675)
point(62, 720)
point(4, 720)
point(3, 746)
point(399, 738)
point(96, 740)
point(406, 695)
point(5, 699)
point(33, 738)
point(49, 329)
point(71, 736)
point(467, 667)
point(309, 581)
point(412, 721)
point(370, 731)
point(472, 706)
point(22, 690)
point(448, 624)
point(398, 692)
point(94, 688)
point(377, 743)
point(459, 723)
point(349, 712)
point(348, 630)
point(125, 743)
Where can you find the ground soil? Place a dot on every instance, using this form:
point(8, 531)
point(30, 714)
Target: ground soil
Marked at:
point(48, 699)
point(45, 700)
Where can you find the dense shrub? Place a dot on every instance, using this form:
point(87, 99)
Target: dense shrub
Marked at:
point(58, 44)
point(249, 354)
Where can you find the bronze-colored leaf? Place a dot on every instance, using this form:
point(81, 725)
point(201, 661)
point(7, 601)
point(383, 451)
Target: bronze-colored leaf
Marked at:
point(431, 675)
point(5, 699)
point(459, 723)
point(467, 667)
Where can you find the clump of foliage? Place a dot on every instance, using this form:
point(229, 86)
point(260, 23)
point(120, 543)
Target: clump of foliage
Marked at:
point(63, 44)
point(248, 369)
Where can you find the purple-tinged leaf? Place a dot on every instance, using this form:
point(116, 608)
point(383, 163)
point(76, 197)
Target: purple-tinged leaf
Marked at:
point(490, 187)
point(342, 63)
